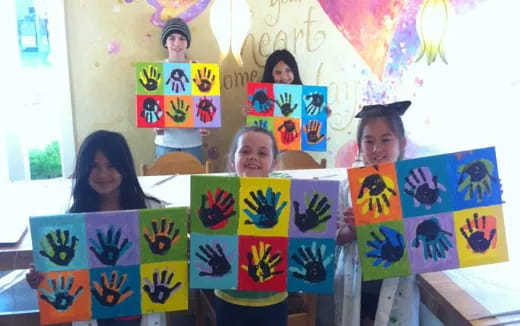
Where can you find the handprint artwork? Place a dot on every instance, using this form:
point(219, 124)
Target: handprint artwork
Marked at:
point(388, 249)
point(108, 248)
point(263, 211)
point(59, 248)
point(161, 288)
point(215, 259)
point(178, 80)
point(179, 110)
point(206, 110)
point(315, 103)
point(161, 239)
point(60, 293)
point(151, 111)
point(310, 263)
point(261, 101)
point(476, 179)
point(262, 263)
point(110, 293)
point(288, 132)
point(219, 209)
point(313, 132)
point(479, 236)
point(204, 79)
point(150, 78)
point(316, 213)
point(433, 239)
point(374, 194)
point(424, 187)
point(285, 104)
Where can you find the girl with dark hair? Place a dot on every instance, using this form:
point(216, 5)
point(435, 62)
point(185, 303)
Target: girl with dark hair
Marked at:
point(104, 180)
point(381, 138)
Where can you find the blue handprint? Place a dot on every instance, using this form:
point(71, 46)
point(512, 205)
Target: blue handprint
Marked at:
point(260, 101)
point(264, 214)
point(59, 296)
point(260, 124)
point(107, 249)
point(433, 238)
point(389, 250)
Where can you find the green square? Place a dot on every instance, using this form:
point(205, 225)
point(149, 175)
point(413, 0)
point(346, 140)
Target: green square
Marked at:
point(149, 74)
point(400, 267)
point(223, 192)
point(177, 249)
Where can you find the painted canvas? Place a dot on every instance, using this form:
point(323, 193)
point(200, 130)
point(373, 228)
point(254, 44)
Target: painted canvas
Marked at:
point(245, 232)
point(178, 95)
point(429, 214)
point(111, 264)
point(298, 113)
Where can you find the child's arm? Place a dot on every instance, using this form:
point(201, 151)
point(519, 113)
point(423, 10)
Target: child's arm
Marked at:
point(346, 231)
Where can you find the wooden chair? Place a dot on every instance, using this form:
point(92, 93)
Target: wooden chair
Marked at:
point(292, 160)
point(302, 309)
point(175, 163)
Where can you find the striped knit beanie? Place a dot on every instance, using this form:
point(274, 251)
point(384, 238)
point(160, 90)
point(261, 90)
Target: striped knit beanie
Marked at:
point(175, 25)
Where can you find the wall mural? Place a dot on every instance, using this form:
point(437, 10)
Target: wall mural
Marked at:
point(185, 9)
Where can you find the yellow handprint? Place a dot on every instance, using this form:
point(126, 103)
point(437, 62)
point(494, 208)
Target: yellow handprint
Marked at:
point(260, 265)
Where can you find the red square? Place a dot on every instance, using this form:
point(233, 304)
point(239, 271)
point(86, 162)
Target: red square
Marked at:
point(261, 96)
point(262, 263)
point(150, 111)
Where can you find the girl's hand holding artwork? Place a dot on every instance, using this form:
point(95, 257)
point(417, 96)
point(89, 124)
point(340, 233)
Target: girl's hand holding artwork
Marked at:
point(34, 278)
point(204, 132)
point(247, 109)
point(159, 131)
point(346, 228)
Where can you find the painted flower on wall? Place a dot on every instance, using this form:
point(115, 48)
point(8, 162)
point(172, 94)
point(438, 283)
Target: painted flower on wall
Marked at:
point(185, 9)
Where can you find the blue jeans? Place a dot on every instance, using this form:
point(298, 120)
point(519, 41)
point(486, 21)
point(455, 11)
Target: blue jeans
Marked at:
point(231, 314)
point(195, 151)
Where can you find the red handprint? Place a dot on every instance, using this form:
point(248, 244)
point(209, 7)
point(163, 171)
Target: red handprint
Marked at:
point(217, 215)
point(288, 132)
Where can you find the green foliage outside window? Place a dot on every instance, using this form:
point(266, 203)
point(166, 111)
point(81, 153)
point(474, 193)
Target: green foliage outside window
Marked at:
point(45, 164)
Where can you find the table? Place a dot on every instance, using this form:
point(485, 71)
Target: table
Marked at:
point(458, 297)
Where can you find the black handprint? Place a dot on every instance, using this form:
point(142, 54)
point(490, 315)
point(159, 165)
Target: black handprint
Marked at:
point(312, 262)
point(315, 214)
point(151, 111)
point(477, 238)
point(313, 131)
point(219, 211)
point(285, 104)
point(216, 260)
point(177, 78)
point(316, 102)
point(205, 80)
point(110, 294)
point(161, 240)
point(265, 214)
point(260, 265)
point(107, 249)
point(389, 250)
point(150, 78)
point(206, 110)
point(180, 111)
point(423, 186)
point(60, 253)
point(288, 131)
point(59, 296)
point(160, 291)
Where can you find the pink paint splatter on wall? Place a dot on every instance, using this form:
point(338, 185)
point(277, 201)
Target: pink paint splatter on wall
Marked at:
point(185, 9)
point(113, 47)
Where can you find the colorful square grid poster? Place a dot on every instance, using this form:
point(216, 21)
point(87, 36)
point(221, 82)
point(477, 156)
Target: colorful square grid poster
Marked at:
point(428, 214)
point(178, 95)
point(295, 114)
point(110, 264)
point(263, 234)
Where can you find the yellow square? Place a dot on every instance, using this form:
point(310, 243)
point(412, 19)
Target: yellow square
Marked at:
point(205, 79)
point(481, 237)
point(156, 290)
point(264, 207)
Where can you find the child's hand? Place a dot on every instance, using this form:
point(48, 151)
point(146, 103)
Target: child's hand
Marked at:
point(159, 131)
point(328, 110)
point(346, 228)
point(34, 278)
point(204, 132)
point(246, 110)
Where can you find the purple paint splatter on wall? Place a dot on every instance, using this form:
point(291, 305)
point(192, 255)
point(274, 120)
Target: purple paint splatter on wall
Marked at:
point(113, 47)
point(185, 9)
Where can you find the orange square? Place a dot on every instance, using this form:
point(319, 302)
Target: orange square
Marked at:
point(64, 297)
point(179, 111)
point(287, 132)
point(375, 194)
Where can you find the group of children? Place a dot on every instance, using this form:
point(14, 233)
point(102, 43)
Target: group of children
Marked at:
point(105, 179)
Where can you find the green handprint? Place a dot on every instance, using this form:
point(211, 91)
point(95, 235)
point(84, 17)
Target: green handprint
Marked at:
point(60, 252)
point(180, 111)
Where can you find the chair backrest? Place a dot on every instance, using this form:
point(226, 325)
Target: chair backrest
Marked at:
point(292, 160)
point(175, 163)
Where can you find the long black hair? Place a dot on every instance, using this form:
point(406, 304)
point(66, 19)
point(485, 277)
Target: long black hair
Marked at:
point(273, 59)
point(114, 146)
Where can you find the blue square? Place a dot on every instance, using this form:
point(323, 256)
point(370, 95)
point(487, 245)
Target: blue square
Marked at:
point(177, 78)
point(288, 100)
point(474, 178)
point(214, 261)
point(115, 291)
point(424, 186)
point(314, 134)
point(314, 102)
point(311, 265)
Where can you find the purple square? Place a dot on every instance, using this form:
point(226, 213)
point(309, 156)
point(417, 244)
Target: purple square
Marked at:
point(112, 238)
point(437, 230)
